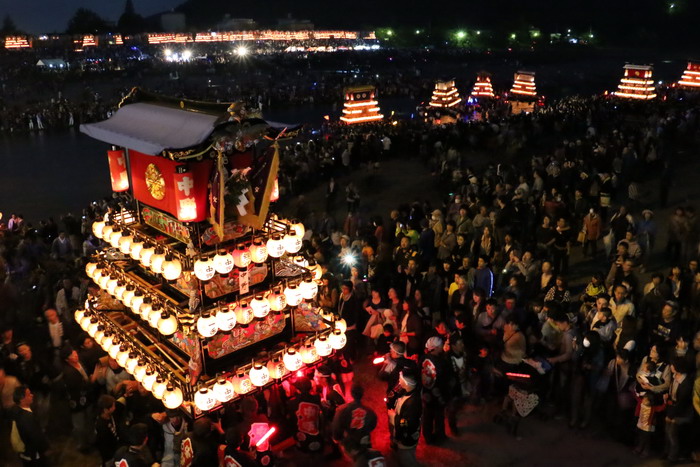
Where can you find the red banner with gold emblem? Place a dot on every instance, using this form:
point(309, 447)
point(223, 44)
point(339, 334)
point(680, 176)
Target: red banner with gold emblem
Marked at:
point(157, 183)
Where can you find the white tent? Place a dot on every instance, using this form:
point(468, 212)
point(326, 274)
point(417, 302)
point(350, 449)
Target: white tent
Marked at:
point(52, 63)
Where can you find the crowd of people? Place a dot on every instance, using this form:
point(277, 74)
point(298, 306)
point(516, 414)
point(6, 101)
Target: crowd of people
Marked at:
point(466, 302)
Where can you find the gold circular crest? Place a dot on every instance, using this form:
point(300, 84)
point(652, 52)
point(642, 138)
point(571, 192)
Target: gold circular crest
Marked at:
point(155, 182)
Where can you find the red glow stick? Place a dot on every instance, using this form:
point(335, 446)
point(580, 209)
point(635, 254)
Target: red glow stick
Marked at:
point(378, 360)
point(518, 375)
point(264, 438)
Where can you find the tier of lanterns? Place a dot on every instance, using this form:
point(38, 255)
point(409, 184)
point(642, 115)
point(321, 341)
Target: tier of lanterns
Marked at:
point(154, 377)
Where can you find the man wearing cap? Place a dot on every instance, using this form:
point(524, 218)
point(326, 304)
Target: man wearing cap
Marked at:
point(435, 377)
point(405, 420)
point(354, 421)
point(394, 364)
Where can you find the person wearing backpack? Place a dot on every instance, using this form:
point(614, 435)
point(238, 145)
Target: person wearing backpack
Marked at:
point(27, 438)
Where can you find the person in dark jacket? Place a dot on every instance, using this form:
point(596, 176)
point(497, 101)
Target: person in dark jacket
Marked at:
point(395, 363)
point(405, 419)
point(679, 406)
point(35, 442)
point(109, 429)
point(77, 384)
point(136, 454)
point(436, 374)
point(354, 422)
point(349, 309)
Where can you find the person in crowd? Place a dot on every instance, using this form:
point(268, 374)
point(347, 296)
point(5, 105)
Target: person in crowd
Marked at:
point(405, 419)
point(136, 452)
point(435, 378)
point(34, 442)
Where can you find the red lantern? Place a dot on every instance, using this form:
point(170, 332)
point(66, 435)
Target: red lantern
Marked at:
point(117, 170)
point(185, 199)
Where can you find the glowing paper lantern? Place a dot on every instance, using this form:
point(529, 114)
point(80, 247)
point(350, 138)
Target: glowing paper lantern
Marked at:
point(149, 379)
point(172, 398)
point(292, 242)
point(204, 269)
point(107, 231)
point(114, 237)
point(140, 370)
point(309, 354)
point(131, 363)
point(128, 295)
point(225, 319)
point(155, 315)
point(146, 253)
point(260, 306)
point(323, 346)
point(298, 227)
point(223, 390)
point(204, 399)
point(122, 355)
point(244, 313)
point(125, 242)
point(167, 324)
point(338, 339)
point(292, 359)
point(145, 308)
point(258, 251)
point(157, 261)
point(293, 295)
point(159, 388)
point(97, 228)
point(119, 290)
point(275, 246)
point(172, 268)
point(136, 249)
point(241, 256)
point(308, 288)
point(277, 300)
point(241, 383)
point(90, 269)
point(206, 324)
point(223, 262)
point(137, 301)
point(259, 375)
point(276, 368)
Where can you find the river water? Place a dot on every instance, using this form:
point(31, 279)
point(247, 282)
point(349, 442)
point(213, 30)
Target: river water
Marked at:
point(50, 173)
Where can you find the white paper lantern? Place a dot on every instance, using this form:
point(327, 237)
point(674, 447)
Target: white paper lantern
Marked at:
point(204, 269)
point(107, 341)
point(140, 370)
point(78, 315)
point(145, 308)
point(241, 383)
point(115, 236)
point(258, 251)
point(172, 399)
point(90, 269)
point(149, 379)
point(292, 294)
point(96, 273)
point(97, 228)
point(244, 313)
point(128, 295)
point(119, 290)
point(111, 285)
point(103, 279)
point(259, 375)
point(316, 270)
point(277, 300)
point(276, 368)
point(323, 346)
point(308, 354)
point(99, 334)
point(167, 324)
point(241, 256)
point(338, 339)
point(92, 327)
point(136, 249)
point(223, 390)
point(172, 268)
point(122, 355)
point(223, 262)
point(260, 306)
point(225, 319)
point(292, 359)
point(137, 302)
point(106, 232)
point(206, 324)
point(308, 289)
point(275, 246)
point(340, 325)
point(292, 243)
point(159, 388)
point(299, 228)
point(155, 315)
point(131, 363)
point(204, 399)
point(157, 261)
point(146, 254)
point(125, 243)
point(301, 261)
point(115, 348)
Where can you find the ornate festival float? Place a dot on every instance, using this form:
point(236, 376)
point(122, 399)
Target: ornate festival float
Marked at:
point(361, 105)
point(523, 94)
point(637, 83)
point(201, 293)
point(691, 77)
point(444, 105)
point(483, 89)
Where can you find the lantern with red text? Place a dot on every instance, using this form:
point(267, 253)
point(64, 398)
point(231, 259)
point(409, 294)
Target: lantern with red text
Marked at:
point(117, 170)
point(184, 195)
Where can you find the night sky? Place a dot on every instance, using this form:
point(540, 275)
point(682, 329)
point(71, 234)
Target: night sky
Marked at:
point(37, 16)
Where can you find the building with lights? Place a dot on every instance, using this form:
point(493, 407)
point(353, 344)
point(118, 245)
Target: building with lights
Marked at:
point(445, 95)
point(637, 83)
point(361, 105)
point(691, 77)
point(482, 88)
point(200, 292)
point(524, 85)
